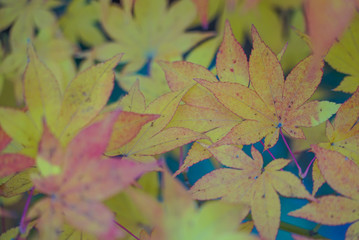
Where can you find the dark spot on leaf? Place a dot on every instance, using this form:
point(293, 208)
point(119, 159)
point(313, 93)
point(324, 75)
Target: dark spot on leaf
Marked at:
point(231, 70)
point(84, 94)
point(263, 196)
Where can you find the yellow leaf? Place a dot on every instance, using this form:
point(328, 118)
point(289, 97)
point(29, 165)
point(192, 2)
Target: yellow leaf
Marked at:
point(84, 98)
point(42, 91)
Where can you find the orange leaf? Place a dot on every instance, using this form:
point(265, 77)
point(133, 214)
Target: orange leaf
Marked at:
point(14, 163)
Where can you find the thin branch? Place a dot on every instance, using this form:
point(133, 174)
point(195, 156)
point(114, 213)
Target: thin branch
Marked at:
point(291, 153)
point(23, 223)
point(128, 231)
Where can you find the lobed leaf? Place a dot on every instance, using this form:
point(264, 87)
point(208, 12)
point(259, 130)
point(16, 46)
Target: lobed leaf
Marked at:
point(329, 210)
point(84, 97)
point(341, 173)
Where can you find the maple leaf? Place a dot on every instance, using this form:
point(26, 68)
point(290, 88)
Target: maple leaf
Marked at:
point(273, 104)
point(153, 31)
point(83, 180)
point(343, 133)
point(247, 182)
point(25, 16)
point(177, 217)
point(345, 50)
point(65, 113)
point(78, 22)
point(342, 175)
point(154, 137)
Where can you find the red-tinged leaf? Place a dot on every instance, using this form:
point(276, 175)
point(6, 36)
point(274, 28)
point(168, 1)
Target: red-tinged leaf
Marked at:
point(92, 141)
point(318, 179)
point(50, 149)
point(14, 163)
point(4, 139)
point(265, 209)
point(341, 173)
point(126, 127)
point(180, 74)
point(272, 103)
point(323, 31)
point(231, 62)
point(101, 179)
point(84, 97)
point(42, 91)
point(352, 232)
point(202, 10)
point(85, 181)
point(330, 210)
point(89, 215)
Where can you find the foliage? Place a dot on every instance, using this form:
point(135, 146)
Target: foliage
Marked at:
point(216, 78)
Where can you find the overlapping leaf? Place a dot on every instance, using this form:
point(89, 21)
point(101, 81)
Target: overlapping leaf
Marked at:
point(342, 174)
point(178, 218)
point(84, 179)
point(155, 138)
point(343, 133)
point(321, 29)
point(11, 163)
point(344, 57)
point(273, 103)
point(247, 182)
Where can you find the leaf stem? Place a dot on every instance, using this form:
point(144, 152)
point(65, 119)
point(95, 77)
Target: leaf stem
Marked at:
point(291, 153)
point(128, 231)
point(270, 153)
point(23, 223)
point(306, 170)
